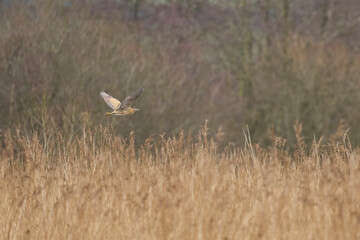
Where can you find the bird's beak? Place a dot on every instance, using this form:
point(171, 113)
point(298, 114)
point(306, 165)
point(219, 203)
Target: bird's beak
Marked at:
point(136, 109)
point(108, 114)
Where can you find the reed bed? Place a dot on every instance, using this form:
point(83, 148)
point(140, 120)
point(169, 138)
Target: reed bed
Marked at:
point(101, 186)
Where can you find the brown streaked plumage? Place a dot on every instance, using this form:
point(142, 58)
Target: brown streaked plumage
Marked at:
point(124, 108)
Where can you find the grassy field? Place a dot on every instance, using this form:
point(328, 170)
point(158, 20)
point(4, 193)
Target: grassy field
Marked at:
point(289, 70)
point(100, 186)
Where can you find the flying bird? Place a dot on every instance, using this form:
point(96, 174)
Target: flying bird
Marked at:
point(124, 108)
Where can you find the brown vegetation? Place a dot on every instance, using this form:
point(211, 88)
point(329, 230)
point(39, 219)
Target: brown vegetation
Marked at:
point(99, 186)
point(288, 69)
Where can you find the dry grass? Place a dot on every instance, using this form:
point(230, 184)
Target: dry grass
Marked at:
point(64, 177)
point(100, 187)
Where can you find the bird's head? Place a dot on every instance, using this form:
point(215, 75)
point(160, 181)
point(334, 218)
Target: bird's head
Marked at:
point(134, 110)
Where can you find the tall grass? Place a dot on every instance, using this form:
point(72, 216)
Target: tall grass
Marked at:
point(67, 172)
point(100, 186)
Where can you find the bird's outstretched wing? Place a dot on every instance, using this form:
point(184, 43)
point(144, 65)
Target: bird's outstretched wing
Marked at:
point(111, 101)
point(131, 99)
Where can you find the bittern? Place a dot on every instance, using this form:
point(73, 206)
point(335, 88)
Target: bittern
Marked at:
point(124, 108)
